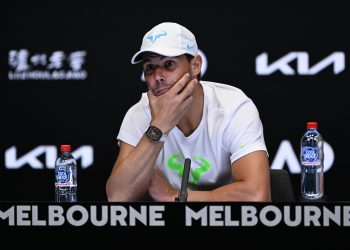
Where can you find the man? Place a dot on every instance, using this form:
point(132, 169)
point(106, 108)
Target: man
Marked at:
point(215, 125)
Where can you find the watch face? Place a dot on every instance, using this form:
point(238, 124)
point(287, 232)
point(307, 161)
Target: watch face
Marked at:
point(154, 133)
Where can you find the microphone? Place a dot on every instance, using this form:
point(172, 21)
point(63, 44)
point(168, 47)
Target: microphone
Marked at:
point(183, 191)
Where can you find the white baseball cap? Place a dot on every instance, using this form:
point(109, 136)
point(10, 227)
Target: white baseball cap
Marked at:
point(167, 39)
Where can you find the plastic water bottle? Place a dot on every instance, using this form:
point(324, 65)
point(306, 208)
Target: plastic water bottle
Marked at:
point(66, 176)
point(311, 157)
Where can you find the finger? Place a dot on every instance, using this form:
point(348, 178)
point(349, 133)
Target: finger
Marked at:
point(179, 85)
point(187, 102)
point(188, 90)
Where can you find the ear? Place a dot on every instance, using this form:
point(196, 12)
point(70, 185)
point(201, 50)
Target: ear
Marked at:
point(196, 65)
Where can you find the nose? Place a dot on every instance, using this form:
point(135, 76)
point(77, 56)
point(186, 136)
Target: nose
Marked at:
point(159, 75)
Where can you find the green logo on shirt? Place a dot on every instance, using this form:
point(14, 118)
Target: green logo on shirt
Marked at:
point(195, 172)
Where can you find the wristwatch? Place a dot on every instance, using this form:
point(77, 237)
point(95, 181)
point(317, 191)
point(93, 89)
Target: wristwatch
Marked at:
point(155, 134)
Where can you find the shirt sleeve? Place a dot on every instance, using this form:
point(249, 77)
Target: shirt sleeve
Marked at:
point(133, 126)
point(244, 132)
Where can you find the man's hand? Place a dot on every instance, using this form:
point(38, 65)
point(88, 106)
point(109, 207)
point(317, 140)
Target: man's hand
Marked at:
point(169, 108)
point(160, 189)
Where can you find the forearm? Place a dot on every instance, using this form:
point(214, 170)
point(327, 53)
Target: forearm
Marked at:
point(131, 176)
point(237, 191)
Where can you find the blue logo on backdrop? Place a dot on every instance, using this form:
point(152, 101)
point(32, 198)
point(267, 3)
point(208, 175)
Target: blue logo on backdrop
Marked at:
point(158, 35)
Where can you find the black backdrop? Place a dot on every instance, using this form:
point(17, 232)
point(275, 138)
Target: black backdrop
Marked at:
point(39, 113)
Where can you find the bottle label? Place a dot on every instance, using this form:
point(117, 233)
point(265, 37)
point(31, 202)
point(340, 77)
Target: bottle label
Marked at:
point(310, 156)
point(62, 178)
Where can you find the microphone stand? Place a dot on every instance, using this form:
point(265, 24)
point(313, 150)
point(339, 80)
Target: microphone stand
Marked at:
point(183, 191)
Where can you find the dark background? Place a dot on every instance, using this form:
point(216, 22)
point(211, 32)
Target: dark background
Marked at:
point(232, 35)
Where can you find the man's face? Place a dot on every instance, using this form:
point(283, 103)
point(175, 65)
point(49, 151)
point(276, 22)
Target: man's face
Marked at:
point(162, 72)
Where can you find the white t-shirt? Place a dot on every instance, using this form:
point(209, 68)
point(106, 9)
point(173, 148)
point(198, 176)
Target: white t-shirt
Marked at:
point(230, 128)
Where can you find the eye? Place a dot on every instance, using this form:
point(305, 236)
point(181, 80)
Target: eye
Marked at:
point(169, 64)
point(148, 69)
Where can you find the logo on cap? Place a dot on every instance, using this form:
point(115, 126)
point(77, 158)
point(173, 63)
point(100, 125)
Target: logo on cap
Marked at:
point(153, 38)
